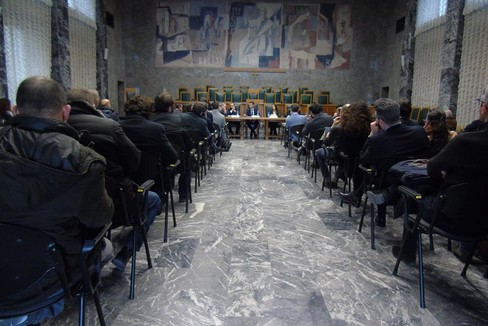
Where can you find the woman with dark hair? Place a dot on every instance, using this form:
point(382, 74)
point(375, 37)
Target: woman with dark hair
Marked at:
point(348, 138)
point(437, 131)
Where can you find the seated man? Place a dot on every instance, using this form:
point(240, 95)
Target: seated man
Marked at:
point(252, 124)
point(389, 142)
point(44, 167)
point(232, 111)
point(462, 160)
point(174, 124)
point(108, 139)
point(107, 110)
point(294, 119)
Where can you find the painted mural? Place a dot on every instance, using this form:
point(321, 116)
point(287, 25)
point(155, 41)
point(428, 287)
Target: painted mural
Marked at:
point(253, 35)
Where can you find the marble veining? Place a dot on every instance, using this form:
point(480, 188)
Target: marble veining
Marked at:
point(263, 245)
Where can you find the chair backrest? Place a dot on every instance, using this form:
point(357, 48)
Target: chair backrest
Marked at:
point(422, 115)
point(306, 99)
point(219, 97)
point(150, 167)
point(211, 93)
point(296, 129)
point(269, 97)
point(288, 98)
point(236, 97)
point(185, 96)
point(31, 271)
point(123, 194)
point(261, 93)
point(323, 99)
point(415, 114)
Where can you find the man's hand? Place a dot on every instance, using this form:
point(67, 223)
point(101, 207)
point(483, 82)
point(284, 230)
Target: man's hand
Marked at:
point(375, 128)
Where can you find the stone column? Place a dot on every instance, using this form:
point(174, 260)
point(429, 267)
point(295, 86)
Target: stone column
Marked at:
point(408, 51)
point(451, 55)
point(60, 47)
point(3, 63)
point(102, 65)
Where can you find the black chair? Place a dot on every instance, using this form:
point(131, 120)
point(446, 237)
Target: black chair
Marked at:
point(457, 213)
point(151, 168)
point(33, 272)
point(297, 131)
point(311, 145)
point(183, 145)
point(130, 202)
point(332, 163)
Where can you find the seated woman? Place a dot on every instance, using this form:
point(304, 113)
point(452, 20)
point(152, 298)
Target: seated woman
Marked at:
point(437, 131)
point(348, 138)
point(273, 113)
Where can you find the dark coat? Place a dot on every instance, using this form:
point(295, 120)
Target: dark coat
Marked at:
point(51, 182)
point(397, 143)
point(463, 159)
point(108, 139)
point(319, 121)
point(149, 137)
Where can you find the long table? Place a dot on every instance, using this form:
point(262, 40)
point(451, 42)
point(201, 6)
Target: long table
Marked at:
point(266, 121)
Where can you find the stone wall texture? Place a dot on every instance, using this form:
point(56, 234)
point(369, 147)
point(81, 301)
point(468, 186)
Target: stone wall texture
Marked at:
point(375, 56)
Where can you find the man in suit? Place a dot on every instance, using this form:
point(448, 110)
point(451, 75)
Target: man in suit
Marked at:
point(318, 120)
point(252, 124)
point(389, 142)
point(123, 158)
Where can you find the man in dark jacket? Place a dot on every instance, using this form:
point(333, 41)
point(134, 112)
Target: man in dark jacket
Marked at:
point(148, 136)
point(389, 142)
point(108, 139)
point(319, 120)
point(50, 181)
point(175, 128)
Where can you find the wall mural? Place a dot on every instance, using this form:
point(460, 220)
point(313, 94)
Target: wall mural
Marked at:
point(253, 36)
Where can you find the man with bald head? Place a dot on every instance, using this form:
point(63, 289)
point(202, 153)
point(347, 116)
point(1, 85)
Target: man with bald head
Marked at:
point(50, 181)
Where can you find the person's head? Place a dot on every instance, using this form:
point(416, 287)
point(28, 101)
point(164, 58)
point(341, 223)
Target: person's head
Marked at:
point(214, 105)
point(82, 95)
point(4, 105)
point(315, 109)
point(186, 107)
point(42, 97)
point(105, 103)
point(356, 118)
point(387, 112)
point(405, 108)
point(294, 108)
point(199, 108)
point(139, 104)
point(164, 102)
point(435, 123)
point(251, 105)
point(95, 100)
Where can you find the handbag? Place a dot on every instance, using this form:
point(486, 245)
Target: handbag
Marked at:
point(411, 173)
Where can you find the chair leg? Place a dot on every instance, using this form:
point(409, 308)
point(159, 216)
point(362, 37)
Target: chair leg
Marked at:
point(133, 266)
point(421, 271)
point(363, 214)
point(468, 261)
point(81, 316)
point(166, 217)
point(173, 205)
point(373, 246)
point(98, 306)
point(400, 254)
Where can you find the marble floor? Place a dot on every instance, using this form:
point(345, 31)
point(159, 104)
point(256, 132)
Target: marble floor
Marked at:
point(263, 245)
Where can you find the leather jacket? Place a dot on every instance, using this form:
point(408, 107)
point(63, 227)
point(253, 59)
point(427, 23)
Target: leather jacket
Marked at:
point(51, 182)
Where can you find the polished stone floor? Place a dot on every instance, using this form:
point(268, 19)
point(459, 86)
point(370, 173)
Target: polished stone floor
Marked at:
point(263, 245)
